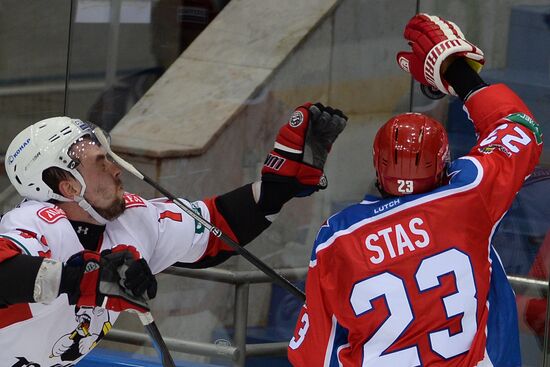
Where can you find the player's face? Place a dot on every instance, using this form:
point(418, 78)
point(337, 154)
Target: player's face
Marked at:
point(104, 189)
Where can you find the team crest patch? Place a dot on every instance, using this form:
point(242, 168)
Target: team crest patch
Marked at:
point(133, 200)
point(489, 149)
point(51, 215)
point(528, 122)
point(296, 119)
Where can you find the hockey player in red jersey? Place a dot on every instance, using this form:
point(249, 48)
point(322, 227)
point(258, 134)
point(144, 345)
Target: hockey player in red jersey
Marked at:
point(410, 279)
point(80, 249)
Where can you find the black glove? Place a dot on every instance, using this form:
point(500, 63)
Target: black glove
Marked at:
point(117, 279)
point(295, 166)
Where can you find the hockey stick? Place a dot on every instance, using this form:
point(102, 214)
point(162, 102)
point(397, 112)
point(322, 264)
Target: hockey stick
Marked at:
point(277, 278)
point(154, 332)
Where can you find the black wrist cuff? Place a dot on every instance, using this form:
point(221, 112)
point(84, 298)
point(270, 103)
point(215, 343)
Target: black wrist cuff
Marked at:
point(70, 283)
point(463, 78)
point(243, 215)
point(18, 276)
point(277, 190)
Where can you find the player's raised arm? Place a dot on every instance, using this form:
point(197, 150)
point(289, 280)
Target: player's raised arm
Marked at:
point(509, 139)
point(294, 168)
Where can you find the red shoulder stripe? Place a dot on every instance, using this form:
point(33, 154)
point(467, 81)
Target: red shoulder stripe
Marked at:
point(8, 249)
point(215, 244)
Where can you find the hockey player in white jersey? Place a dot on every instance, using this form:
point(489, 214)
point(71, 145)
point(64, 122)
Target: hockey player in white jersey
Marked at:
point(79, 249)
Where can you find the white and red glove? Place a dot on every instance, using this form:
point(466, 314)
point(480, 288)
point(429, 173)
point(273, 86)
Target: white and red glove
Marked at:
point(301, 147)
point(433, 40)
point(117, 279)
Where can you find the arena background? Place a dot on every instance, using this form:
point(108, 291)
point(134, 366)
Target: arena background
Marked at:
point(194, 91)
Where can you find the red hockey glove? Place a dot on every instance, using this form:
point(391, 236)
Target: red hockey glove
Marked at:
point(433, 40)
point(302, 146)
point(116, 279)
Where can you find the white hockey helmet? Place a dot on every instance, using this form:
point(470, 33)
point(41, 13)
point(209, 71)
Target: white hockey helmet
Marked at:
point(43, 145)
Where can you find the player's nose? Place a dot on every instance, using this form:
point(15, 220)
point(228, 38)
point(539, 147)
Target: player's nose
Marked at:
point(115, 169)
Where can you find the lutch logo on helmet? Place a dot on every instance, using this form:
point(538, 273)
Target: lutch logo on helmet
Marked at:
point(12, 157)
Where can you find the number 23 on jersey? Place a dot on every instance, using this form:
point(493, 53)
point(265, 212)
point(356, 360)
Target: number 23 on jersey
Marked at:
point(400, 311)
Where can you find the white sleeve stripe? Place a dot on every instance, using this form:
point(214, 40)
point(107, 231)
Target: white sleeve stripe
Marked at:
point(347, 345)
point(286, 149)
point(330, 344)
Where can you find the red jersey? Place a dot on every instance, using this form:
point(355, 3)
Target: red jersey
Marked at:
point(413, 280)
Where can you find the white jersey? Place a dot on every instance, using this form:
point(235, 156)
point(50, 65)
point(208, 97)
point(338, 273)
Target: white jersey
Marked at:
point(59, 334)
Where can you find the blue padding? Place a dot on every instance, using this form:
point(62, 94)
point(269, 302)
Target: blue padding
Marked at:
point(101, 357)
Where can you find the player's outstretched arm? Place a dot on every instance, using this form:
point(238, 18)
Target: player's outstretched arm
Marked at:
point(294, 168)
point(116, 279)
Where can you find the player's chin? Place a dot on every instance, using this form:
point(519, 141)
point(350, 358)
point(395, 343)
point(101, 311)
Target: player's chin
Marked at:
point(114, 210)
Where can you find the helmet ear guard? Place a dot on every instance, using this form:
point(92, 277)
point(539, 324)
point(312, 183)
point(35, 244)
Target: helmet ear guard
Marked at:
point(410, 155)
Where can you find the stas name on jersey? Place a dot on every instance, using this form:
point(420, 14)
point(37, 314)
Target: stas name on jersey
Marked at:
point(397, 239)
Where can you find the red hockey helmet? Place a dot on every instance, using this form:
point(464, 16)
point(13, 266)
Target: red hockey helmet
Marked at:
point(410, 153)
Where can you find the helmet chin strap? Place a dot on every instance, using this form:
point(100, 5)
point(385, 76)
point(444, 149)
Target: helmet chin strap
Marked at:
point(83, 203)
point(80, 200)
point(89, 209)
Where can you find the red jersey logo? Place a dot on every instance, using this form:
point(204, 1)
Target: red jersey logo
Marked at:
point(51, 215)
point(133, 200)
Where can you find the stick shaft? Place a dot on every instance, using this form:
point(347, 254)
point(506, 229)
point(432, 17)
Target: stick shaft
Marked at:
point(277, 278)
point(156, 337)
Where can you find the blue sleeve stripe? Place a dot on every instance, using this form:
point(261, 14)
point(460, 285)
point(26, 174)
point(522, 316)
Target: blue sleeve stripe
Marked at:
point(338, 340)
